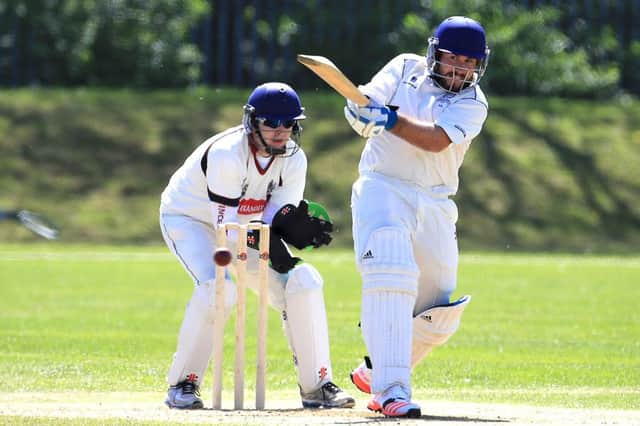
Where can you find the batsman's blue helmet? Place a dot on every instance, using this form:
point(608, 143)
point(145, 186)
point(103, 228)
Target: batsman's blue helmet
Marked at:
point(461, 36)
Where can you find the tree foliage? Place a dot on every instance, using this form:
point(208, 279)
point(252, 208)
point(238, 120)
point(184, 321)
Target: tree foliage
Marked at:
point(534, 56)
point(172, 43)
point(530, 54)
point(113, 43)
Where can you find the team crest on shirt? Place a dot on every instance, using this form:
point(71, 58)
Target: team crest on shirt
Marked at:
point(413, 81)
point(445, 100)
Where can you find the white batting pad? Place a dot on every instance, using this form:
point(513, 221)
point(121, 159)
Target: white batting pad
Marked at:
point(387, 262)
point(434, 326)
point(305, 324)
point(386, 321)
point(195, 340)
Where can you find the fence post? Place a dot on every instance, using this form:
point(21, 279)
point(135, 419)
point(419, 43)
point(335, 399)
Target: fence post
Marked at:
point(222, 43)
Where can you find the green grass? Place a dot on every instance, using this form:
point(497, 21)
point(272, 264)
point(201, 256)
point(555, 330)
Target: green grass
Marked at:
point(545, 330)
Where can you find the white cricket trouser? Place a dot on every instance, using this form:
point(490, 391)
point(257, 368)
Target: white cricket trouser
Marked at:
point(407, 254)
point(379, 201)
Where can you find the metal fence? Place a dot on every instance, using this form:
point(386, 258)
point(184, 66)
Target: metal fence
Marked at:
point(247, 41)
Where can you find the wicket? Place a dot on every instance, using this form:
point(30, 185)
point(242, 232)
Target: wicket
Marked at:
point(218, 336)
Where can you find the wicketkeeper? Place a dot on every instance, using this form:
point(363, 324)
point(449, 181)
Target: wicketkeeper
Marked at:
point(254, 171)
point(422, 116)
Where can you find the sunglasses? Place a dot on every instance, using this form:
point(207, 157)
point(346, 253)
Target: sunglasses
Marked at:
point(274, 124)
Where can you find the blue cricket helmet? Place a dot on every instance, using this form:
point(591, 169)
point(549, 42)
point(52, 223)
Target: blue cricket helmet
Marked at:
point(276, 101)
point(274, 104)
point(461, 36)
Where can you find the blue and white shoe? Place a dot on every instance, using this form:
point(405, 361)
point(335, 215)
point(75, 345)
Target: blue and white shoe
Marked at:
point(184, 396)
point(328, 395)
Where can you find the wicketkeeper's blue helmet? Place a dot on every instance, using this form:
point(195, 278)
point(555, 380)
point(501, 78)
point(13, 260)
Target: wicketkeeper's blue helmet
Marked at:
point(461, 36)
point(274, 104)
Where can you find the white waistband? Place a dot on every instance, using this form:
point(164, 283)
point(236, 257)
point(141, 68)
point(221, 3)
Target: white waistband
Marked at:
point(439, 192)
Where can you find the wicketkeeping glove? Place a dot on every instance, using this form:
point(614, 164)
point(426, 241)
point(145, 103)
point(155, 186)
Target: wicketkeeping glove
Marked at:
point(280, 259)
point(299, 229)
point(370, 120)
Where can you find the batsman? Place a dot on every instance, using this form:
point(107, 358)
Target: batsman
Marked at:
point(422, 116)
point(254, 171)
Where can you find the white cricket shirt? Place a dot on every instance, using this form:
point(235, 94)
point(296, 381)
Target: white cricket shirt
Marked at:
point(223, 173)
point(404, 82)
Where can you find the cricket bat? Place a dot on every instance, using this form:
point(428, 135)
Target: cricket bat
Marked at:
point(329, 72)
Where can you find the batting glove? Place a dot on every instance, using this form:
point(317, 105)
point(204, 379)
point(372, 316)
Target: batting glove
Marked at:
point(370, 120)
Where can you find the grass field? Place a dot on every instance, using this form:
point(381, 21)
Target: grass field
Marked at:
point(547, 330)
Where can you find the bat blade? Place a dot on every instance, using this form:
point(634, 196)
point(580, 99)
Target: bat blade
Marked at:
point(329, 72)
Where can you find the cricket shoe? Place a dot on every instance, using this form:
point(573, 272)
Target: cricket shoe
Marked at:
point(184, 396)
point(361, 376)
point(394, 404)
point(328, 396)
point(395, 407)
